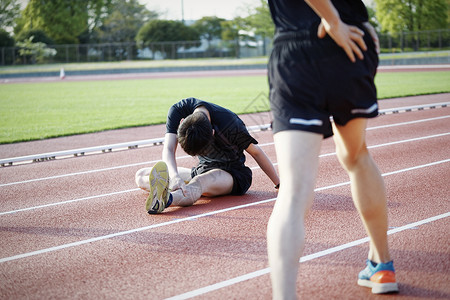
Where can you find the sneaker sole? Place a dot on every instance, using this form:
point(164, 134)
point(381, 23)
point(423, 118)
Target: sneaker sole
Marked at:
point(379, 288)
point(159, 183)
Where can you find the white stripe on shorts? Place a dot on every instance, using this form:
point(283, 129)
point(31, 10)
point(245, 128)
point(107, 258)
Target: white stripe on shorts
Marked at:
point(365, 110)
point(313, 122)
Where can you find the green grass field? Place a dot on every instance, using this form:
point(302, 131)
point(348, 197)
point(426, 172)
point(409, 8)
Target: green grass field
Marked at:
point(31, 111)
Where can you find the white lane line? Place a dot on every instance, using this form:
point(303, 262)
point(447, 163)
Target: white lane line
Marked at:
point(397, 142)
point(121, 233)
point(409, 140)
point(68, 201)
point(309, 257)
point(86, 172)
point(407, 123)
point(133, 145)
point(187, 156)
point(131, 231)
point(443, 66)
point(76, 173)
point(253, 168)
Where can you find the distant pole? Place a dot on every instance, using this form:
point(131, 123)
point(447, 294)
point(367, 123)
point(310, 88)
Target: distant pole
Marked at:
point(182, 11)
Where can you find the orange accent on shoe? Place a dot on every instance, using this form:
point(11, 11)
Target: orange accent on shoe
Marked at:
point(383, 276)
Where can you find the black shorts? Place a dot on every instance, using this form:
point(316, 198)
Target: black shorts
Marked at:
point(242, 175)
point(312, 79)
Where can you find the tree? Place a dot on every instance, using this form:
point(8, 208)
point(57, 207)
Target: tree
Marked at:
point(9, 11)
point(5, 39)
point(373, 18)
point(257, 23)
point(260, 20)
point(36, 50)
point(209, 28)
point(230, 29)
point(230, 34)
point(39, 36)
point(165, 31)
point(411, 15)
point(64, 20)
point(124, 21)
point(153, 33)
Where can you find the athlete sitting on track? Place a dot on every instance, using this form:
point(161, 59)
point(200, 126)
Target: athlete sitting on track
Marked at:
point(218, 137)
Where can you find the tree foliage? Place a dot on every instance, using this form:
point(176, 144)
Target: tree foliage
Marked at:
point(39, 36)
point(165, 31)
point(5, 39)
point(373, 18)
point(411, 15)
point(231, 28)
point(9, 11)
point(64, 20)
point(209, 28)
point(155, 33)
point(260, 20)
point(36, 50)
point(124, 21)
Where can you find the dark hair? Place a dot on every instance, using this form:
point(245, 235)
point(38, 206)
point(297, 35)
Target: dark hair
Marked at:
point(195, 134)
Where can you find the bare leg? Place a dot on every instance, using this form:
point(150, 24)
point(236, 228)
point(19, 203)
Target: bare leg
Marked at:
point(212, 183)
point(185, 174)
point(142, 177)
point(298, 159)
point(367, 185)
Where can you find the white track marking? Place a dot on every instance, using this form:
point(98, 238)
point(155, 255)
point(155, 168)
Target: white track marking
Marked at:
point(79, 152)
point(187, 156)
point(147, 163)
point(409, 140)
point(437, 67)
point(78, 173)
point(396, 142)
point(133, 145)
point(68, 201)
point(131, 231)
point(407, 123)
point(309, 257)
point(121, 233)
point(253, 168)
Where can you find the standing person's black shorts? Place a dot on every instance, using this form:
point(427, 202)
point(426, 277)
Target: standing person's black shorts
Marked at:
point(312, 79)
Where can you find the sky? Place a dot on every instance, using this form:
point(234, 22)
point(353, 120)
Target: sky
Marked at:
point(196, 9)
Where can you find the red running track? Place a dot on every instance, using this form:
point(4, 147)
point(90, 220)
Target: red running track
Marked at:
point(76, 228)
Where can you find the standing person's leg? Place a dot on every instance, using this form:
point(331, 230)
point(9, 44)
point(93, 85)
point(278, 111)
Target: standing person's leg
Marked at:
point(367, 185)
point(369, 196)
point(298, 158)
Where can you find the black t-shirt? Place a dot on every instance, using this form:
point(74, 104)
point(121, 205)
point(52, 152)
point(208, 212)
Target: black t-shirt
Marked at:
point(231, 137)
point(295, 15)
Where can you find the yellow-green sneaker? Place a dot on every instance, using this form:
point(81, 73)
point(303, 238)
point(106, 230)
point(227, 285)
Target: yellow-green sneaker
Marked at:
point(158, 198)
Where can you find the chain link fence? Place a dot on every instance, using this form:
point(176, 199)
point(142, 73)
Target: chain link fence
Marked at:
point(430, 40)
